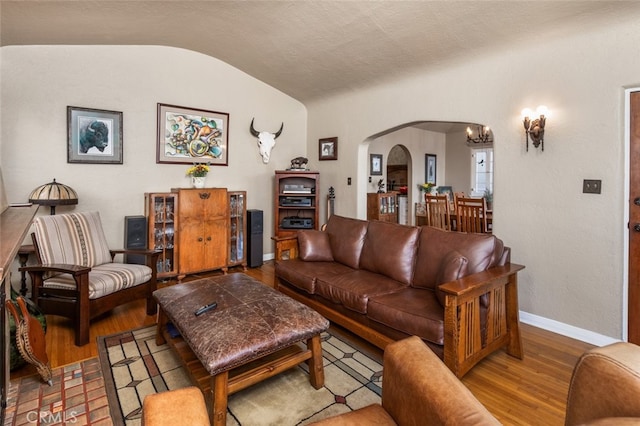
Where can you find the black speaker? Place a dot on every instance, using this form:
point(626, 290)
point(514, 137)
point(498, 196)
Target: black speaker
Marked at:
point(135, 237)
point(254, 239)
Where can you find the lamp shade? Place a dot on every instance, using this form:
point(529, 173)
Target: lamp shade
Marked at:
point(53, 194)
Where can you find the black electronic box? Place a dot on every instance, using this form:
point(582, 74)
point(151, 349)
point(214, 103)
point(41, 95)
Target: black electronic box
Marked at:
point(294, 222)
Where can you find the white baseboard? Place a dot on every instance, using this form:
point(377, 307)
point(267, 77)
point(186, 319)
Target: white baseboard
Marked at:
point(566, 330)
point(268, 256)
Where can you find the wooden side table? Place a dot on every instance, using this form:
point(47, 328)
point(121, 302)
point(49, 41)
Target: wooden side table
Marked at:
point(23, 257)
point(286, 247)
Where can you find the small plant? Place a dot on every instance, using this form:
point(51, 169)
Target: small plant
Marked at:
point(198, 170)
point(488, 195)
point(426, 187)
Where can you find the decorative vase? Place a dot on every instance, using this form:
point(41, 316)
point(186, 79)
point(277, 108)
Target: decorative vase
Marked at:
point(198, 181)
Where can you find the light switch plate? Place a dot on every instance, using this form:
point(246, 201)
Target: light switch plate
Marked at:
point(591, 186)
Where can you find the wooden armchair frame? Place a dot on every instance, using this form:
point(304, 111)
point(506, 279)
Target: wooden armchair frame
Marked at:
point(75, 304)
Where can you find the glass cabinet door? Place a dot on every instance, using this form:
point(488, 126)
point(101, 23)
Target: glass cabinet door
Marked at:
point(237, 228)
point(161, 215)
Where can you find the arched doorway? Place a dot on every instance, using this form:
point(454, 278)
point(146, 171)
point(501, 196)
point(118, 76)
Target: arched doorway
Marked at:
point(455, 157)
point(398, 179)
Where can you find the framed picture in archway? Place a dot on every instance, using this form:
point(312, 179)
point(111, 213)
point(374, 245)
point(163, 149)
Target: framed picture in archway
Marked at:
point(375, 164)
point(430, 168)
point(328, 149)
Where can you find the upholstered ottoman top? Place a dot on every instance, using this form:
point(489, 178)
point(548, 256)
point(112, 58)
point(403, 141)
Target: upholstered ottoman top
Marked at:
point(251, 320)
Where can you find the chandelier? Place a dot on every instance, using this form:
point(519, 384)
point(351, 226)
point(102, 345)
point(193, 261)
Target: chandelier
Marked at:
point(483, 136)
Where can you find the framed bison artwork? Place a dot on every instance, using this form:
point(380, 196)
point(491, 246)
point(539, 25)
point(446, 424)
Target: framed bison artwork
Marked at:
point(188, 135)
point(94, 136)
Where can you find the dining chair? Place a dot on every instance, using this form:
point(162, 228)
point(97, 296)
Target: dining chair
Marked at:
point(437, 210)
point(456, 195)
point(77, 276)
point(471, 215)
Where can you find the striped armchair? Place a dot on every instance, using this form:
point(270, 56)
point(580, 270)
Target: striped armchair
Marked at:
point(77, 277)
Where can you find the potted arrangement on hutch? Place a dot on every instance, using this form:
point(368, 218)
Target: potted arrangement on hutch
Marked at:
point(198, 173)
point(426, 188)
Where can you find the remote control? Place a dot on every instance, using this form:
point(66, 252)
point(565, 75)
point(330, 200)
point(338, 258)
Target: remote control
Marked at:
point(205, 308)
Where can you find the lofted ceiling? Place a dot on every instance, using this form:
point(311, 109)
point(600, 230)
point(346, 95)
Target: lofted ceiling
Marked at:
point(311, 49)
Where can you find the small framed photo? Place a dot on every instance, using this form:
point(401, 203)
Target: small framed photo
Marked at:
point(328, 149)
point(430, 168)
point(446, 190)
point(189, 135)
point(375, 164)
point(94, 136)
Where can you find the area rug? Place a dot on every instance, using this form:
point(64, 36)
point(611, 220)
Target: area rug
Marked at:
point(134, 366)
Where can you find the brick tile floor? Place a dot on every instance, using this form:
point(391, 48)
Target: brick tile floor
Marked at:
point(77, 396)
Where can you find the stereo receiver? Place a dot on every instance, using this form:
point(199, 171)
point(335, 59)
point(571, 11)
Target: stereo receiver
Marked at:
point(295, 202)
point(294, 222)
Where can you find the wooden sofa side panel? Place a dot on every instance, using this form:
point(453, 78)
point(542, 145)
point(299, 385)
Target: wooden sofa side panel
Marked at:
point(463, 346)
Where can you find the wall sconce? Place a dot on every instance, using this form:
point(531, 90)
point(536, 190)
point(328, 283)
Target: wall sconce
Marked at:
point(484, 136)
point(53, 194)
point(535, 128)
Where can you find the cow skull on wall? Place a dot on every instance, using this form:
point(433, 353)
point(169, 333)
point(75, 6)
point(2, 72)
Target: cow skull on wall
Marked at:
point(266, 141)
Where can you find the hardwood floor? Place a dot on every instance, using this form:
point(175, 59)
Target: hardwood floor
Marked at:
point(528, 392)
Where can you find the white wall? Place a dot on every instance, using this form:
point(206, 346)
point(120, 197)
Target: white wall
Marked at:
point(571, 243)
point(39, 82)
point(458, 174)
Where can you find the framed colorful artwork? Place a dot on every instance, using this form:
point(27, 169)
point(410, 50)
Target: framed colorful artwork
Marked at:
point(190, 135)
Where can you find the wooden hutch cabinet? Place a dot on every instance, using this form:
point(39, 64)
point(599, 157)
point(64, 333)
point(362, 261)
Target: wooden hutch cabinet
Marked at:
point(160, 209)
point(296, 201)
point(237, 228)
point(203, 239)
point(383, 206)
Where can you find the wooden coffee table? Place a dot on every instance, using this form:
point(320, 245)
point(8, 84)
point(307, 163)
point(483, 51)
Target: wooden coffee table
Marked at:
point(251, 335)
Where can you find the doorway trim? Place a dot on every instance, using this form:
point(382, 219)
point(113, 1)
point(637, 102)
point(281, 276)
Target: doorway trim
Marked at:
point(625, 221)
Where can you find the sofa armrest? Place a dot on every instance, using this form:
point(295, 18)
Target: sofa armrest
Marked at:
point(419, 389)
point(465, 339)
point(605, 384)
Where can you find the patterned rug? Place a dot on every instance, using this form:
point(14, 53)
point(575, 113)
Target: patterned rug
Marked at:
point(134, 366)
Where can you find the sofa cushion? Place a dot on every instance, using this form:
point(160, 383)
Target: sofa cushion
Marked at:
point(314, 246)
point(303, 275)
point(73, 239)
point(434, 245)
point(346, 236)
point(452, 267)
point(390, 249)
point(354, 289)
point(411, 310)
point(105, 279)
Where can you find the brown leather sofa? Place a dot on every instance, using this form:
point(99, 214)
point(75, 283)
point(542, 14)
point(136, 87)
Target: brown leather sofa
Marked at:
point(386, 282)
point(418, 390)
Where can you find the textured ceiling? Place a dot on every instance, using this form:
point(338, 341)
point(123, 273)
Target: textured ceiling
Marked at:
point(308, 49)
